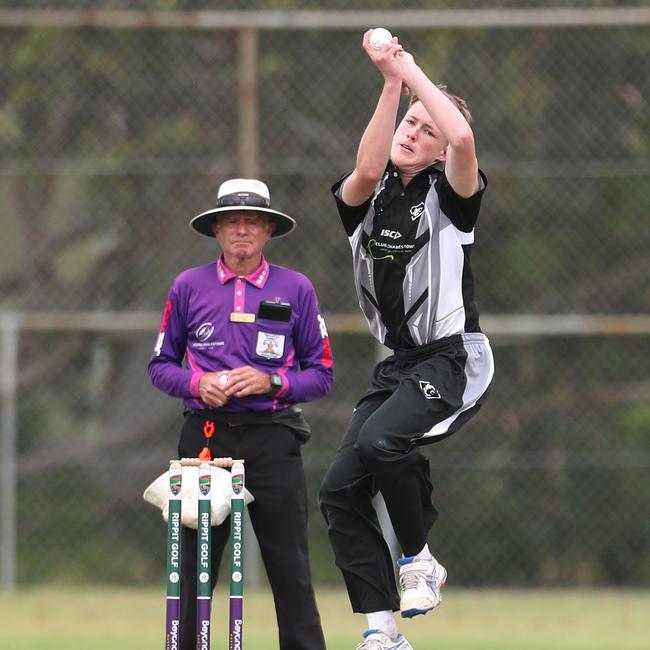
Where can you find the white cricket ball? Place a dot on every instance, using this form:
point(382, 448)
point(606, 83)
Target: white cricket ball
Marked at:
point(380, 37)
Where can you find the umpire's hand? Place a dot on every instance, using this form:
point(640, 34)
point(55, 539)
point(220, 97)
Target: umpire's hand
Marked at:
point(211, 389)
point(247, 381)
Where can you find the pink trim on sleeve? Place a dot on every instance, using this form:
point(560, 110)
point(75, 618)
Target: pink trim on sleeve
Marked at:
point(196, 375)
point(194, 383)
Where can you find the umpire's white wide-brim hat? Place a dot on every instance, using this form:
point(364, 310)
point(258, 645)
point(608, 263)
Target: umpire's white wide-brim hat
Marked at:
point(243, 194)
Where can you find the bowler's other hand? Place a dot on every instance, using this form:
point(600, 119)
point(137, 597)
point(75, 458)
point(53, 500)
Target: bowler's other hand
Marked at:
point(211, 389)
point(246, 381)
point(405, 61)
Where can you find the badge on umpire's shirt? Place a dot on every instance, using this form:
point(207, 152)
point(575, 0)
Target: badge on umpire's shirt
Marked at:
point(270, 346)
point(242, 317)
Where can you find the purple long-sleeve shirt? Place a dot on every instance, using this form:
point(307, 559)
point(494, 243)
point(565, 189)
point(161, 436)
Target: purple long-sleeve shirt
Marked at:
point(206, 327)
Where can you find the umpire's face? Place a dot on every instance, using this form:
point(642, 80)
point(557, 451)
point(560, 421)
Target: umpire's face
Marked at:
point(242, 234)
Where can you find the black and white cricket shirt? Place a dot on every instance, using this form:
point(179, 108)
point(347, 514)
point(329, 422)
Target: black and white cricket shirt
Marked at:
point(411, 250)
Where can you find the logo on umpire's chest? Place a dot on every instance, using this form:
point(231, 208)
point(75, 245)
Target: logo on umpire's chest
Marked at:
point(429, 390)
point(204, 332)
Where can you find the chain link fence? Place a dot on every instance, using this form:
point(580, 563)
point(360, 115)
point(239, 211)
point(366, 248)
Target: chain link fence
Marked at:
point(111, 139)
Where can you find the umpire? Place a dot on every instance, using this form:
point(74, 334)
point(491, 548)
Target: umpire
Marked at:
point(242, 342)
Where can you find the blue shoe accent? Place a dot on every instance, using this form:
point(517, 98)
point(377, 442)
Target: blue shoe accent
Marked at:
point(399, 643)
point(410, 613)
point(369, 632)
point(406, 560)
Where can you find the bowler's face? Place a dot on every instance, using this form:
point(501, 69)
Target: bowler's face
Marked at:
point(417, 142)
point(242, 234)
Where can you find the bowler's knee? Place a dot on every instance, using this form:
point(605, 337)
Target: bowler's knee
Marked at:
point(375, 446)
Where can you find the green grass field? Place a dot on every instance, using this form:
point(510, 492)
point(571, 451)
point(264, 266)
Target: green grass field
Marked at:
point(133, 619)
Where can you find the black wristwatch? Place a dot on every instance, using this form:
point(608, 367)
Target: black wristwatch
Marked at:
point(276, 384)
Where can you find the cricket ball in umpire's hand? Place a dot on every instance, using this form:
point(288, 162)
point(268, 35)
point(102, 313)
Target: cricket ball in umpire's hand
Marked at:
point(380, 37)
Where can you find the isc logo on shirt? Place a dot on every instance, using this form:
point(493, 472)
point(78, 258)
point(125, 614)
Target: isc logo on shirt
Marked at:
point(393, 234)
point(270, 346)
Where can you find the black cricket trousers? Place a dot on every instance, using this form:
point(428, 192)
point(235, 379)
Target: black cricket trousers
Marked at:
point(417, 397)
point(275, 477)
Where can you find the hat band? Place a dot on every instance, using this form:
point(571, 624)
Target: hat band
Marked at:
point(250, 200)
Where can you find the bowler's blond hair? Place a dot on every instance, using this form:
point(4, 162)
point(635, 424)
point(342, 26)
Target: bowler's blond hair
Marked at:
point(458, 102)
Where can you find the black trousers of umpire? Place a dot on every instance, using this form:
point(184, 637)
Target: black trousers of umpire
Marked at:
point(275, 477)
point(418, 397)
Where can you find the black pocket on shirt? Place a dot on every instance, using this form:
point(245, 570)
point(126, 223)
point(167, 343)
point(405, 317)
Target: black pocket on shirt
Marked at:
point(274, 311)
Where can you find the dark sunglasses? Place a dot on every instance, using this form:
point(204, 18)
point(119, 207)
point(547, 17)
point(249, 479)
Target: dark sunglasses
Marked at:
point(250, 200)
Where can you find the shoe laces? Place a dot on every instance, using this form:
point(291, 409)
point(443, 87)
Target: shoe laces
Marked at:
point(371, 644)
point(411, 575)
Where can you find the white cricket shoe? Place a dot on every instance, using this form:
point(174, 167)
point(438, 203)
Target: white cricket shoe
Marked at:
point(421, 582)
point(377, 640)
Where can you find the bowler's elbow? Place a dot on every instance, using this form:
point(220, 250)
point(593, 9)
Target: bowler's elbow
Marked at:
point(462, 141)
point(369, 172)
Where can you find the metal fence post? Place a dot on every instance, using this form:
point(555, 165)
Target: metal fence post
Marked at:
point(8, 392)
point(248, 118)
